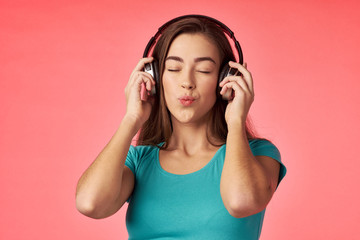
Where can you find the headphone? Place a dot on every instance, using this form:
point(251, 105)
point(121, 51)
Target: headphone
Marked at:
point(153, 67)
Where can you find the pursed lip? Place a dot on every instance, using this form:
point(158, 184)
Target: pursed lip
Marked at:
point(186, 100)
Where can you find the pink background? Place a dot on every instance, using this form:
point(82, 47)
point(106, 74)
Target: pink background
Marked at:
point(63, 69)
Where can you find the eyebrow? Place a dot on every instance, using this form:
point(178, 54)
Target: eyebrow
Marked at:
point(179, 59)
point(199, 59)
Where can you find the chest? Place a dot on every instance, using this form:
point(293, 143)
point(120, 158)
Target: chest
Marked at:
point(184, 207)
point(181, 164)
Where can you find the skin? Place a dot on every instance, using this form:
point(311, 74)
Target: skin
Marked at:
point(247, 182)
point(191, 69)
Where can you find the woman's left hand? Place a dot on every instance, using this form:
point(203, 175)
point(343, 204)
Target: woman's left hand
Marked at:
point(242, 95)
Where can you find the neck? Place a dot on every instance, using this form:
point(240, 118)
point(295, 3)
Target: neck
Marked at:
point(191, 137)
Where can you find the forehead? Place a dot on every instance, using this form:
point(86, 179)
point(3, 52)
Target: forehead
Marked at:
point(193, 46)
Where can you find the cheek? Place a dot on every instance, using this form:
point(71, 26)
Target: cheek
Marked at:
point(213, 91)
point(211, 88)
point(167, 82)
point(168, 88)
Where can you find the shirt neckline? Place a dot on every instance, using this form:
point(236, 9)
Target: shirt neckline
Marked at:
point(211, 162)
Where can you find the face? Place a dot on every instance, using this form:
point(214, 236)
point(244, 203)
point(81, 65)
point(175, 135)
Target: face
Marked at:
point(190, 78)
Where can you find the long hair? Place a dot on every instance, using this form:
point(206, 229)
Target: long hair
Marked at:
point(158, 128)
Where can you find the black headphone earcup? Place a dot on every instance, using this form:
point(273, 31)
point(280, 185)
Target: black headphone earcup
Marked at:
point(155, 64)
point(224, 71)
point(156, 71)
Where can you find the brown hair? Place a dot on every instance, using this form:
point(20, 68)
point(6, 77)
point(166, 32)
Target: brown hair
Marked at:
point(158, 128)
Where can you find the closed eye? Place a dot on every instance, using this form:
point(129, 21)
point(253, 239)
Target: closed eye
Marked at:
point(173, 70)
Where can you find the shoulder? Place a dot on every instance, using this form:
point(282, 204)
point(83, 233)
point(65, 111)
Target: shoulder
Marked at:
point(140, 155)
point(264, 147)
point(142, 151)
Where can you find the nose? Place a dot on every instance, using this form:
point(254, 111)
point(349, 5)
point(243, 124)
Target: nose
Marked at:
point(187, 85)
point(188, 81)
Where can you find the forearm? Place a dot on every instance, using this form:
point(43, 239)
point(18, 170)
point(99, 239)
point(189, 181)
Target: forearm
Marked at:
point(100, 184)
point(245, 187)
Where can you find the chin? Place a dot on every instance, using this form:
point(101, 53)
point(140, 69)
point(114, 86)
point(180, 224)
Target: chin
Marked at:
point(184, 118)
point(190, 117)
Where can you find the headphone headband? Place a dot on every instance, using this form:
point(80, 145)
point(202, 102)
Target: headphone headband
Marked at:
point(213, 20)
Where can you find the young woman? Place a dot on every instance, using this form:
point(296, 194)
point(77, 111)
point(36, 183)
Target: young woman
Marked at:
point(198, 171)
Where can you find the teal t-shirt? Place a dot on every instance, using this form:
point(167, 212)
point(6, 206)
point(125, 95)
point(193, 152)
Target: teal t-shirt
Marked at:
point(164, 205)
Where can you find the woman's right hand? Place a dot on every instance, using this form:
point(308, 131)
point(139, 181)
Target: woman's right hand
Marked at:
point(138, 101)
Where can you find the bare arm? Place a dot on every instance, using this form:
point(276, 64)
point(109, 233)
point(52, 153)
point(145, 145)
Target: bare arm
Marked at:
point(247, 182)
point(107, 183)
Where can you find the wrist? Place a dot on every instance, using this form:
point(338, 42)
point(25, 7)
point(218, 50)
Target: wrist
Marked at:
point(131, 123)
point(237, 133)
point(237, 126)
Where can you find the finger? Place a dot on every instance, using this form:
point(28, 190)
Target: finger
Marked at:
point(243, 70)
point(147, 79)
point(236, 87)
point(135, 75)
point(240, 67)
point(231, 78)
point(137, 83)
point(226, 93)
point(237, 79)
point(231, 90)
point(141, 64)
point(237, 92)
point(143, 92)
